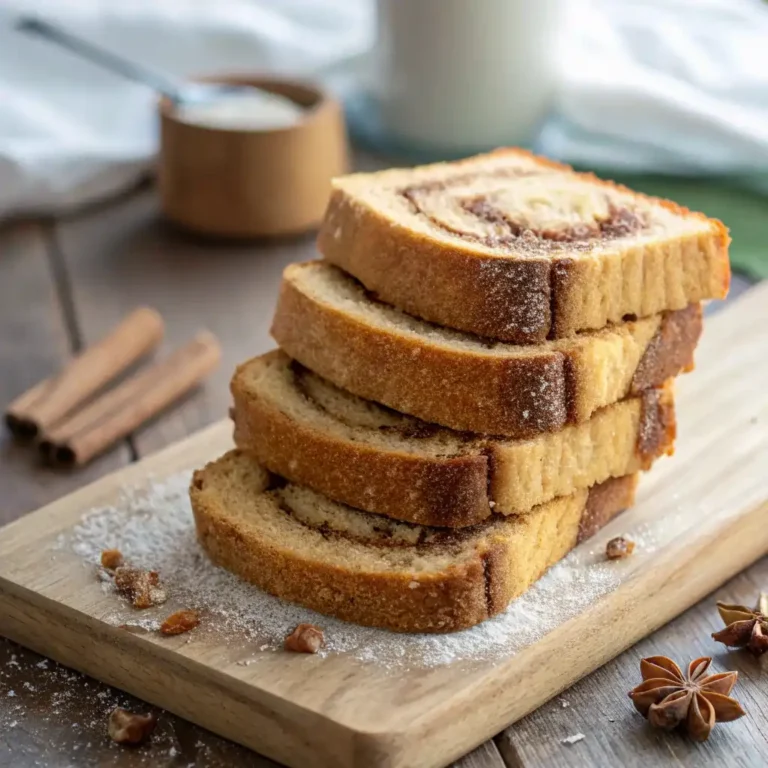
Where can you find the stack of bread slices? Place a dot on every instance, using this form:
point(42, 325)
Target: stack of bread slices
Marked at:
point(467, 386)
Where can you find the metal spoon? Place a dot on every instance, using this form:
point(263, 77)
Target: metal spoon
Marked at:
point(180, 92)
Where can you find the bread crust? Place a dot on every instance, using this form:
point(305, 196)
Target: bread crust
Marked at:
point(502, 565)
point(450, 492)
point(521, 393)
point(522, 299)
point(489, 475)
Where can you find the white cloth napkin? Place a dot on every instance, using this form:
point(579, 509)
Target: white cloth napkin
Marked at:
point(666, 85)
point(648, 84)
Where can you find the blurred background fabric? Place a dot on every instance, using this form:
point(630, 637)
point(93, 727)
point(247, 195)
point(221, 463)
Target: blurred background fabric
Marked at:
point(669, 96)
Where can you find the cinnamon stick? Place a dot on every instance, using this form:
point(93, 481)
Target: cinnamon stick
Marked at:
point(122, 410)
point(40, 407)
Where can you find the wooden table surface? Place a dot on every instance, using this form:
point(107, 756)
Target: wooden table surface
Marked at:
point(63, 283)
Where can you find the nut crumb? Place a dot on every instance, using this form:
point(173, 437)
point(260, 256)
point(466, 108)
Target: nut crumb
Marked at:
point(142, 588)
point(573, 739)
point(306, 638)
point(180, 622)
point(111, 559)
point(619, 548)
point(126, 727)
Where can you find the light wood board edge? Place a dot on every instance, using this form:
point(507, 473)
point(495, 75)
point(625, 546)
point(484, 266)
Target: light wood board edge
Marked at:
point(213, 699)
point(678, 579)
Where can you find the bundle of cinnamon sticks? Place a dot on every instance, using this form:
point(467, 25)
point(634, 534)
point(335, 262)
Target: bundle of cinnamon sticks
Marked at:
point(72, 419)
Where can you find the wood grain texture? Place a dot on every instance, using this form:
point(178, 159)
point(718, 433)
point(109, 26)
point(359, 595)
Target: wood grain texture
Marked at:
point(534, 742)
point(712, 498)
point(615, 734)
point(126, 255)
point(34, 344)
point(485, 756)
point(57, 719)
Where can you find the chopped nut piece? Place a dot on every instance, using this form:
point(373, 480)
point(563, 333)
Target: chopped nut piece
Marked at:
point(142, 588)
point(180, 622)
point(111, 559)
point(126, 727)
point(618, 548)
point(306, 638)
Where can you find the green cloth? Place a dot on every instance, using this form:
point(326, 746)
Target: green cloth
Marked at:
point(743, 211)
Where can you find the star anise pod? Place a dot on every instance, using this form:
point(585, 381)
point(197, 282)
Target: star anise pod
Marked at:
point(668, 699)
point(745, 627)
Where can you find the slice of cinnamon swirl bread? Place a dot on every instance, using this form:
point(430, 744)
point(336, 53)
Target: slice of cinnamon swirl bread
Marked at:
point(298, 545)
point(354, 451)
point(327, 322)
point(515, 247)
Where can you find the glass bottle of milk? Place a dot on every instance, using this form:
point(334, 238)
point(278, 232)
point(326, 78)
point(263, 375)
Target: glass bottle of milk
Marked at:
point(464, 75)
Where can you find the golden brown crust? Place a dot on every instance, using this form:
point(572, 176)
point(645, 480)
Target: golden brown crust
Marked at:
point(671, 349)
point(523, 300)
point(658, 427)
point(420, 489)
point(455, 597)
point(450, 489)
point(524, 392)
point(602, 499)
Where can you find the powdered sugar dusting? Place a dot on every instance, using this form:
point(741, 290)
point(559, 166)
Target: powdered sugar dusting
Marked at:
point(154, 529)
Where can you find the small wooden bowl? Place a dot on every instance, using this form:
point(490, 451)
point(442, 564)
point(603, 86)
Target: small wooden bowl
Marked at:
point(253, 183)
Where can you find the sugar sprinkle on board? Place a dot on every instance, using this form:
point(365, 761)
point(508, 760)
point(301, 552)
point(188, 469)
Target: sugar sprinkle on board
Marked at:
point(153, 528)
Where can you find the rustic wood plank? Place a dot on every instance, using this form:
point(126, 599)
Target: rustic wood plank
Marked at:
point(104, 268)
point(485, 756)
point(126, 255)
point(58, 717)
point(619, 736)
point(34, 343)
point(36, 339)
point(615, 734)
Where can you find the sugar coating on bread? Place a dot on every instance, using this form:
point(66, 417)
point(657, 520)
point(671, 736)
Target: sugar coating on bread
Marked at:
point(327, 322)
point(366, 455)
point(512, 203)
point(302, 547)
point(518, 248)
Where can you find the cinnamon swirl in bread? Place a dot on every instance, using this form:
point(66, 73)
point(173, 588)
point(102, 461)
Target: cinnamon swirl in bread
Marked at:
point(516, 247)
point(357, 452)
point(326, 321)
point(299, 546)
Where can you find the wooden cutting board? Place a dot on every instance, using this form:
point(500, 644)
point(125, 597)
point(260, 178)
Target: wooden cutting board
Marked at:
point(707, 508)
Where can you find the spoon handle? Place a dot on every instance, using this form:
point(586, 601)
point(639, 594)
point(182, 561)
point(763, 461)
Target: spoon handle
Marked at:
point(162, 83)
